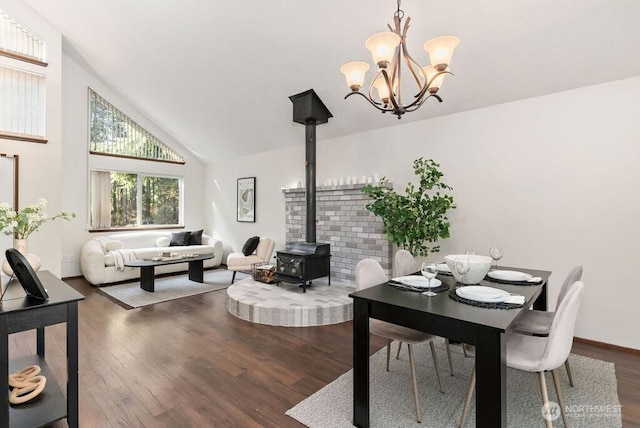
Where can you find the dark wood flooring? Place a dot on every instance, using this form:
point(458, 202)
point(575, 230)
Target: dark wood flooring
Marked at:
point(189, 363)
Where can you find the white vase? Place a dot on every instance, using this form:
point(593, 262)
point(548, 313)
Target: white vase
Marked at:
point(22, 245)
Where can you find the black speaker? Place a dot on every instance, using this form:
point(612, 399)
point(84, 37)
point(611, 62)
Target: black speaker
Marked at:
point(26, 276)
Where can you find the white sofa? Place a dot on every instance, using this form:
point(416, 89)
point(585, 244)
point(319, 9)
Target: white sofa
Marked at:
point(98, 255)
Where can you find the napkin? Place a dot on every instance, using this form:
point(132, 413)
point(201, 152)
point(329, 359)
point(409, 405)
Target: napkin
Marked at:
point(534, 279)
point(516, 299)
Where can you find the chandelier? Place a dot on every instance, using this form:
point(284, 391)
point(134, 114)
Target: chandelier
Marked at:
point(389, 50)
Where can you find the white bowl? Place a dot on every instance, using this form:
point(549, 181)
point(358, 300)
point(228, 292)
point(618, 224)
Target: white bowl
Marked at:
point(480, 265)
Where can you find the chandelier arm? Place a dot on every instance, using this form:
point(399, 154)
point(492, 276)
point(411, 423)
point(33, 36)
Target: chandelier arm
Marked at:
point(373, 103)
point(428, 84)
point(417, 106)
point(370, 97)
point(408, 60)
point(391, 97)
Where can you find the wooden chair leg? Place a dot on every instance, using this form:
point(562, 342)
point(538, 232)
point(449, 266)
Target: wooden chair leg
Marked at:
point(545, 397)
point(233, 278)
point(435, 364)
point(399, 348)
point(388, 352)
point(568, 367)
point(556, 383)
point(467, 401)
point(446, 342)
point(415, 383)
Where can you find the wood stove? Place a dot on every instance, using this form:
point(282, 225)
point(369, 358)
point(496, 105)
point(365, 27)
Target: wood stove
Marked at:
point(306, 261)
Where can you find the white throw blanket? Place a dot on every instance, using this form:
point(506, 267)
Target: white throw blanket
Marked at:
point(120, 257)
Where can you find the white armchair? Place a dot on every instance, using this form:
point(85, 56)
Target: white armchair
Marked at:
point(239, 262)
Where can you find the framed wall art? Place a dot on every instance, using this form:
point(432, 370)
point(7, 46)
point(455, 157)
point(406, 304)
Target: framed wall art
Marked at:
point(247, 199)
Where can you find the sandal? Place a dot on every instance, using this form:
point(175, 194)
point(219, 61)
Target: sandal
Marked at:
point(34, 386)
point(19, 379)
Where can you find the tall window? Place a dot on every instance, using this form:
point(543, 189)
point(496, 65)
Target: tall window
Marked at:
point(124, 199)
point(22, 86)
point(112, 133)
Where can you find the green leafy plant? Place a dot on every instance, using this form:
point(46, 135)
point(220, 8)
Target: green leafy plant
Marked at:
point(418, 219)
point(23, 223)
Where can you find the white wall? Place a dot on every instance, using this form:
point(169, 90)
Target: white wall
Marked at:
point(553, 180)
point(40, 164)
point(75, 161)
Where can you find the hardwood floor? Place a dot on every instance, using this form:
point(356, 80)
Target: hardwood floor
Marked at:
point(189, 363)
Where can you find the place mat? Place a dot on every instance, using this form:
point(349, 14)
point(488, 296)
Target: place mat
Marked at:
point(504, 281)
point(486, 305)
point(404, 287)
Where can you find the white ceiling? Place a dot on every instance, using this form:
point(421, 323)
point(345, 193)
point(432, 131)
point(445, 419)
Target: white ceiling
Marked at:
point(217, 75)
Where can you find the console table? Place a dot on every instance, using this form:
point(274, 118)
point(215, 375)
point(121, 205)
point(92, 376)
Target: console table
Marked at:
point(19, 313)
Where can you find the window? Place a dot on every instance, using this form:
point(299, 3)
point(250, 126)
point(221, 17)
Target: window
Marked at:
point(21, 103)
point(127, 200)
point(18, 42)
point(112, 133)
point(22, 86)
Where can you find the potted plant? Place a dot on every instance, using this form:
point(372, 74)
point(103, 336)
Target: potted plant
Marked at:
point(417, 219)
point(21, 224)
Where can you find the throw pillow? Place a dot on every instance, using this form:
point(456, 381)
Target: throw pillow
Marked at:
point(195, 237)
point(113, 245)
point(163, 242)
point(250, 246)
point(179, 239)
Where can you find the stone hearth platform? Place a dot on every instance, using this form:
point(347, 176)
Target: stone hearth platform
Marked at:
point(286, 305)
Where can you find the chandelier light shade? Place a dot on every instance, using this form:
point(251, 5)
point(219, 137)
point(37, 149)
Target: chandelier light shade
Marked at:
point(391, 57)
point(441, 50)
point(434, 78)
point(355, 71)
point(383, 47)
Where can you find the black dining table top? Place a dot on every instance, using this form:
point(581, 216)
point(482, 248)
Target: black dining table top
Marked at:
point(443, 306)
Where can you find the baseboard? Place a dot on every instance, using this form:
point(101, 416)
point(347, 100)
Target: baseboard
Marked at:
point(607, 345)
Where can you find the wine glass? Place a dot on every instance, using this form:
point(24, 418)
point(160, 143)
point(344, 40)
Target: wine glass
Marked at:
point(429, 271)
point(462, 266)
point(496, 254)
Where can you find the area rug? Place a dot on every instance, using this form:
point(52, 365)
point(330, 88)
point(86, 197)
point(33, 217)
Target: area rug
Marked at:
point(130, 296)
point(592, 402)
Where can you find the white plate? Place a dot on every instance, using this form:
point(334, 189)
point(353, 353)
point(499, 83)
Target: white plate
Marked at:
point(482, 293)
point(442, 267)
point(509, 275)
point(417, 281)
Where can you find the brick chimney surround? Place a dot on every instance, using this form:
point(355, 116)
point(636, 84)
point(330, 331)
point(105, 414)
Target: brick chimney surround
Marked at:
point(342, 220)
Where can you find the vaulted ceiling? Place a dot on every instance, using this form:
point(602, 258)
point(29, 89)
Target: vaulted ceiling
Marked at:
point(217, 75)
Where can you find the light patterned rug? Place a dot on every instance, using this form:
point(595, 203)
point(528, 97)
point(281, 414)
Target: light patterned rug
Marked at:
point(592, 402)
point(130, 296)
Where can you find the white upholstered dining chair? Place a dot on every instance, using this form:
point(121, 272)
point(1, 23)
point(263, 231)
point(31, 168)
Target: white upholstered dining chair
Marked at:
point(405, 264)
point(539, 322)
point(539, 354)
point(370, 273)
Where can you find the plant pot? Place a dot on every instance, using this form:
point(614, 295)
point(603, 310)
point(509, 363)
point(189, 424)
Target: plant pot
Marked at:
point(22, 245)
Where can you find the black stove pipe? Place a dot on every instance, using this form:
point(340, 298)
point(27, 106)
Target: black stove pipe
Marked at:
point(310, 179)
point(309, 110)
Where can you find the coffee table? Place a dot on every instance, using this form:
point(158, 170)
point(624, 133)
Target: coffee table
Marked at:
point(147, 268)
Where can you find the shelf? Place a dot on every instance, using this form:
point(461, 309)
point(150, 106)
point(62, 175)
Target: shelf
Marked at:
point(46, 408)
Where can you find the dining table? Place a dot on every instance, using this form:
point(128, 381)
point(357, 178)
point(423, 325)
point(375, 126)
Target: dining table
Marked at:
point(443, 316)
